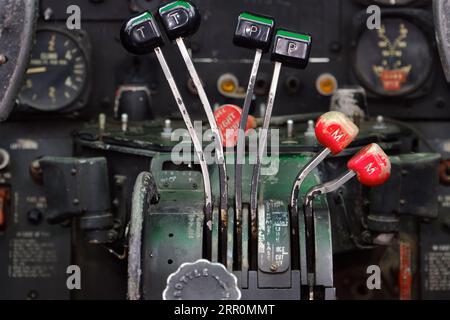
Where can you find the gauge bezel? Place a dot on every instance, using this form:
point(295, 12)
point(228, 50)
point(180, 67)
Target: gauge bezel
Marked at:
point(422, 19)
point(81, 39)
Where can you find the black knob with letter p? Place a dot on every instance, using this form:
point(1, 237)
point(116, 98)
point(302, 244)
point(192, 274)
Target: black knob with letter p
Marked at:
point(291, 49)
point(254, 31)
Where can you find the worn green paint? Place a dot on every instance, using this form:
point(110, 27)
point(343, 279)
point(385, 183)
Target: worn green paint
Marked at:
point(170, 239)
point(180, 208)
point(260, 19)
point(289, 34)
point(145, 16)
point(146, 136)
point(170, 6)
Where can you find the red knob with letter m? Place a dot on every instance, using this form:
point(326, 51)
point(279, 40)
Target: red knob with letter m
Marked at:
point(335, 131)
point(371, 165)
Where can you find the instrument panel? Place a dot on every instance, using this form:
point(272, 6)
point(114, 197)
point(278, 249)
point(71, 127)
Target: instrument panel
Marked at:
point(85, 96)
point(388, 62)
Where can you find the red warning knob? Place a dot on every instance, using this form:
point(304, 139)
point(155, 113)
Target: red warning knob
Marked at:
point(228, 117)
point(371, 165)
point(335, 131)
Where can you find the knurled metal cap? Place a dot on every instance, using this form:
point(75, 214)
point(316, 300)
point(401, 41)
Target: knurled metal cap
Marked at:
point(202, 280)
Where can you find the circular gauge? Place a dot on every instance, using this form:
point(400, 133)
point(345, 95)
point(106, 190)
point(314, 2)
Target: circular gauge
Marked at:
point(394, 60)
point(57, 73)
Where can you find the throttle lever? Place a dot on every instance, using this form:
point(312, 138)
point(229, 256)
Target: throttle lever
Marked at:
point(335, 131)
point(182, 19)
point(371, 166)
point(252, 32)
point(141, 35)
point(290, 49)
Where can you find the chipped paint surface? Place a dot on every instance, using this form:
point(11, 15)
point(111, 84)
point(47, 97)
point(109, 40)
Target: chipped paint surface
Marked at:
point(17, 20)
point(144, 190)
point(372, 165)
point(335, 131)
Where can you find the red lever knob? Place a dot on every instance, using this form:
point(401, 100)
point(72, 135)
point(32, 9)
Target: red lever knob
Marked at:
point(335, 131)
point(228, 117)
point(371, 165)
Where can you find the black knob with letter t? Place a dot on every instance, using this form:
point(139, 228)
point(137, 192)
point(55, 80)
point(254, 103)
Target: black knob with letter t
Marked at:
point(140, 34)
point(181, 19)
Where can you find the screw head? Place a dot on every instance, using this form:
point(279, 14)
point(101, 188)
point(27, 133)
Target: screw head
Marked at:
point(3, 59)
point(34, 216)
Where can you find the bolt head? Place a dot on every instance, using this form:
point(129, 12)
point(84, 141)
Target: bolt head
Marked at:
point(3, 59)
point(34, 216)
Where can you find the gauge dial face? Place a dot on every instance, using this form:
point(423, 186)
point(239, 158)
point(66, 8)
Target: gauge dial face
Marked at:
point(395, 60)
point(56, 75)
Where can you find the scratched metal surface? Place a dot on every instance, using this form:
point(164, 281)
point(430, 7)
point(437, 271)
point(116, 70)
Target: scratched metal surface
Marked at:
point(17, 21)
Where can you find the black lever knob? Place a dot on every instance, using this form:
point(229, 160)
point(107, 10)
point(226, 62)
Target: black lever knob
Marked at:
point(291, 49)
point(254, 31)
point(140, 34)
point(180, 19)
